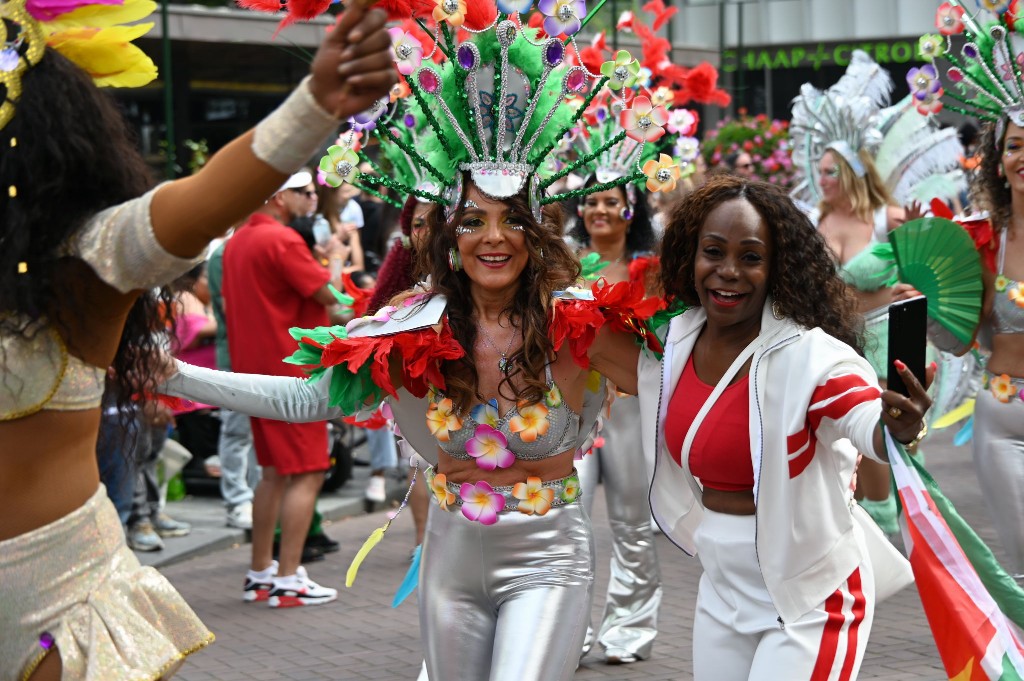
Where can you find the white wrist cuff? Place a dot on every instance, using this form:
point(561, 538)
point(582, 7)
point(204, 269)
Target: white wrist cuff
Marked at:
point(295, 131)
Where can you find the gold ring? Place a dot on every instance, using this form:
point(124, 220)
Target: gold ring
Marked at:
point(895, 412)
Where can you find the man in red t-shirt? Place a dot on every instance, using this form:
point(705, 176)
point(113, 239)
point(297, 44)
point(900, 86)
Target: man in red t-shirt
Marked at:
point(271, 283)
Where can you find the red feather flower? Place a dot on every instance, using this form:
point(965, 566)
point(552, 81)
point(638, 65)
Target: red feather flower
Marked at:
point(984, 238)
point(700, 84)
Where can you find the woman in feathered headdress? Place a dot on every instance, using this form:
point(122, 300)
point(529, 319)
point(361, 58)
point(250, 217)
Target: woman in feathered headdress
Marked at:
point(76, 306)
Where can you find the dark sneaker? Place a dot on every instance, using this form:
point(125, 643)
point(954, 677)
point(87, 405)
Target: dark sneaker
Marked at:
point(299, 590)
point(310, 554)
point(257, 589)
point(323, 542)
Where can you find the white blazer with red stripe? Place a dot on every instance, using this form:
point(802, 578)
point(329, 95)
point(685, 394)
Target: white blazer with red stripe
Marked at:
point(807, 391)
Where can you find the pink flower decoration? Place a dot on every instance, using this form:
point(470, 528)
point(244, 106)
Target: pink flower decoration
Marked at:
point(480, 502)
point(681, 122)
point(406, 50)
point(47, 10)
point(490, 449)
point(949, 19)
point(644, 121)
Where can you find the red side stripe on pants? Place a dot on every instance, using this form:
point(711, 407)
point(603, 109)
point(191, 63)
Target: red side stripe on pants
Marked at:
point(859, 607)
point(833, 629)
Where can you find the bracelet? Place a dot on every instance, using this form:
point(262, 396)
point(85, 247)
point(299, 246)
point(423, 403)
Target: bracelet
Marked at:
point(293, 132)
point(920, 436)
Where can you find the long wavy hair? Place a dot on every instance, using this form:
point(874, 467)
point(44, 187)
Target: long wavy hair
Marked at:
point(989, 188)
point(73, 157)
point(802, 277)
point(398, 271)
point(866, 194)
point(551, 267)
point(639, 238)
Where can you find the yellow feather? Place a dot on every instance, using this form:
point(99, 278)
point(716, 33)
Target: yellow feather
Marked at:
point(371, 541)
point(107, 54)
point(103, 16)
point(951, 417)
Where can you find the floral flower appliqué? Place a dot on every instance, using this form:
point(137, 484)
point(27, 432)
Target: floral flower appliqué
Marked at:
point(531, 422)
point(1015, 295)
point(534, 498)
point(340, 165)
point(442, 420)
point(490, 449)
point(486, 414)
point(553, 397)
point(662, 174)
point(562, 16)
point(452, 11)
point(571, 489)
point(643, 122)
point(480, 502)
point(406, 50)
point(949, 19)
point(1001, 283)
point(439, 486)
point(1002, 389)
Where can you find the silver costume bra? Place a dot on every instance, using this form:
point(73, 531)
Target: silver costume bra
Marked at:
point(1008, 306)
point(532, 431)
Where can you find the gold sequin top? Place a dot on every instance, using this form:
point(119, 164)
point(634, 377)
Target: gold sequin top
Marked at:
point(36, 370)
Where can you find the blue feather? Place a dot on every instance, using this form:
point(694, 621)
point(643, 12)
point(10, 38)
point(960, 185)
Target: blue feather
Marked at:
point(965, 434)
point(408, 584)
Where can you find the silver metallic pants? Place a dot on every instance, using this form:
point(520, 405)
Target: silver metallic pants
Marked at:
point(630, 621)
point(505, 602)
point(999, 462)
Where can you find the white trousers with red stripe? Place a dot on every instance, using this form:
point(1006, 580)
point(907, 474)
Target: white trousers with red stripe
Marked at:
point(739, 636)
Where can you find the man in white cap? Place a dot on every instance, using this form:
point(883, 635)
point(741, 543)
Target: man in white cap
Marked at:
point(272, 282)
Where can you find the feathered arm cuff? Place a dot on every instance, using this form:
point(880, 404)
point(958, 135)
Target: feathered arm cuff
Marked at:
point(362, 365)
point(578, 315)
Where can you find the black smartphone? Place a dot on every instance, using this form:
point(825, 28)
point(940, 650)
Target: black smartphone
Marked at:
point(908, 331)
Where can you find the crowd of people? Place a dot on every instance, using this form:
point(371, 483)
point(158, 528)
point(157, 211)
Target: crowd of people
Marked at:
point(524, 306)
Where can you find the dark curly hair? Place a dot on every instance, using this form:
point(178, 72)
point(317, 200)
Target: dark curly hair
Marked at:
point(989, 187)
point(551, 267)
point(398, 271)
point(803, 277)
point(639, 239)
point(74, 156)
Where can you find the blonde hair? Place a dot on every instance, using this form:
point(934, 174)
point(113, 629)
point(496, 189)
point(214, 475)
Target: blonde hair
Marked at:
point(866, 194)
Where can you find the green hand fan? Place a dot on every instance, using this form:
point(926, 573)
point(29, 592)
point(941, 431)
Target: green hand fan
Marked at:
point(937, 257)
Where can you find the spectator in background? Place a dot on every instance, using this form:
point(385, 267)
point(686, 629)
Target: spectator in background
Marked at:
point(741, 164)
point(272, 282)
point(195, 327)
point(239, 473)
point(345, 218)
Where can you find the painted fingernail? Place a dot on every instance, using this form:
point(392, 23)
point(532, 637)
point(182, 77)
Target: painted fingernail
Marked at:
point(933, 366)
point(899, 365)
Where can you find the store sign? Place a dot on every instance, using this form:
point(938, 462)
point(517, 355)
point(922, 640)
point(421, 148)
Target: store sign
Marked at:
point(816, 56)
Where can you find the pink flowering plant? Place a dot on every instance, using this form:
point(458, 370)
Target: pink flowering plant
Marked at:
point(766, 140)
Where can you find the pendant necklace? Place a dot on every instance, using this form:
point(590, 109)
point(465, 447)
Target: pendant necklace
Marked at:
point(503, 363)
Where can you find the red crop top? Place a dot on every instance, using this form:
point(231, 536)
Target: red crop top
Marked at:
point(720, 454)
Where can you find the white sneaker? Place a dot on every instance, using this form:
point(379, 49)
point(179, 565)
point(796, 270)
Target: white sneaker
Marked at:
point(297, 590)
point(241, 516)
point(376, 490)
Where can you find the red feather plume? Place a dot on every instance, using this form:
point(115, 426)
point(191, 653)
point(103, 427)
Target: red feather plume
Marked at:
point(660, 12)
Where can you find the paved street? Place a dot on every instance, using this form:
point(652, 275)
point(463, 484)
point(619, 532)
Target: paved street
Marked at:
point(362, 637)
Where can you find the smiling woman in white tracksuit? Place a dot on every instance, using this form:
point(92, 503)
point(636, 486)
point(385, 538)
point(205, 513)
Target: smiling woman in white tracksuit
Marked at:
point(757, 383)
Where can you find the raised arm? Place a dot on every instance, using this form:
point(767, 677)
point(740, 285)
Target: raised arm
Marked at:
point(352, 70)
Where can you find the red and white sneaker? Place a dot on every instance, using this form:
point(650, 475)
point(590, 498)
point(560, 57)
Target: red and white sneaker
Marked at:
point(259, 584)
point(297, 590)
